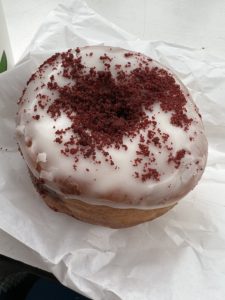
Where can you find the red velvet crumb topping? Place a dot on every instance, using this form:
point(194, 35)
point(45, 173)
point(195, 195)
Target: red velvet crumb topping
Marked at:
point(104, 108)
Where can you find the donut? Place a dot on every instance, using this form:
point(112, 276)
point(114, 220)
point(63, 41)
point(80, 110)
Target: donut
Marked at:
point(110, 136)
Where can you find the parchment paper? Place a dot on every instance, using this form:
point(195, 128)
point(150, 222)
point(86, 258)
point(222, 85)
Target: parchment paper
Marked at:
point(178, 256)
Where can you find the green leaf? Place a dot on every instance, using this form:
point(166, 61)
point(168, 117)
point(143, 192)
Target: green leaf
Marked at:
point(3, 63)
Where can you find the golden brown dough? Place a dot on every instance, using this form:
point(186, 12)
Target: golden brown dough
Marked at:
point(104, 215)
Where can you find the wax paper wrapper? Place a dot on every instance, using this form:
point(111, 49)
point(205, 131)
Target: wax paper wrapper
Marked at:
point(181, 255)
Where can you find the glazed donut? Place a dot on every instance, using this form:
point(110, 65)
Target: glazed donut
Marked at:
point(110, 136)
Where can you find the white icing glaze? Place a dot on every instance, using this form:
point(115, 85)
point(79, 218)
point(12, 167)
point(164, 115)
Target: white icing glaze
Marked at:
point(103, 181)
point(41, 157)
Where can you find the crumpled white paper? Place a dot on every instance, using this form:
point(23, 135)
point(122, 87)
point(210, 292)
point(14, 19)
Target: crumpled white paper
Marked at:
point(181, 255)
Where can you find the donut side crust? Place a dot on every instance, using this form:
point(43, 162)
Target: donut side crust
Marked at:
point(104, 215)
point(100, 214)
